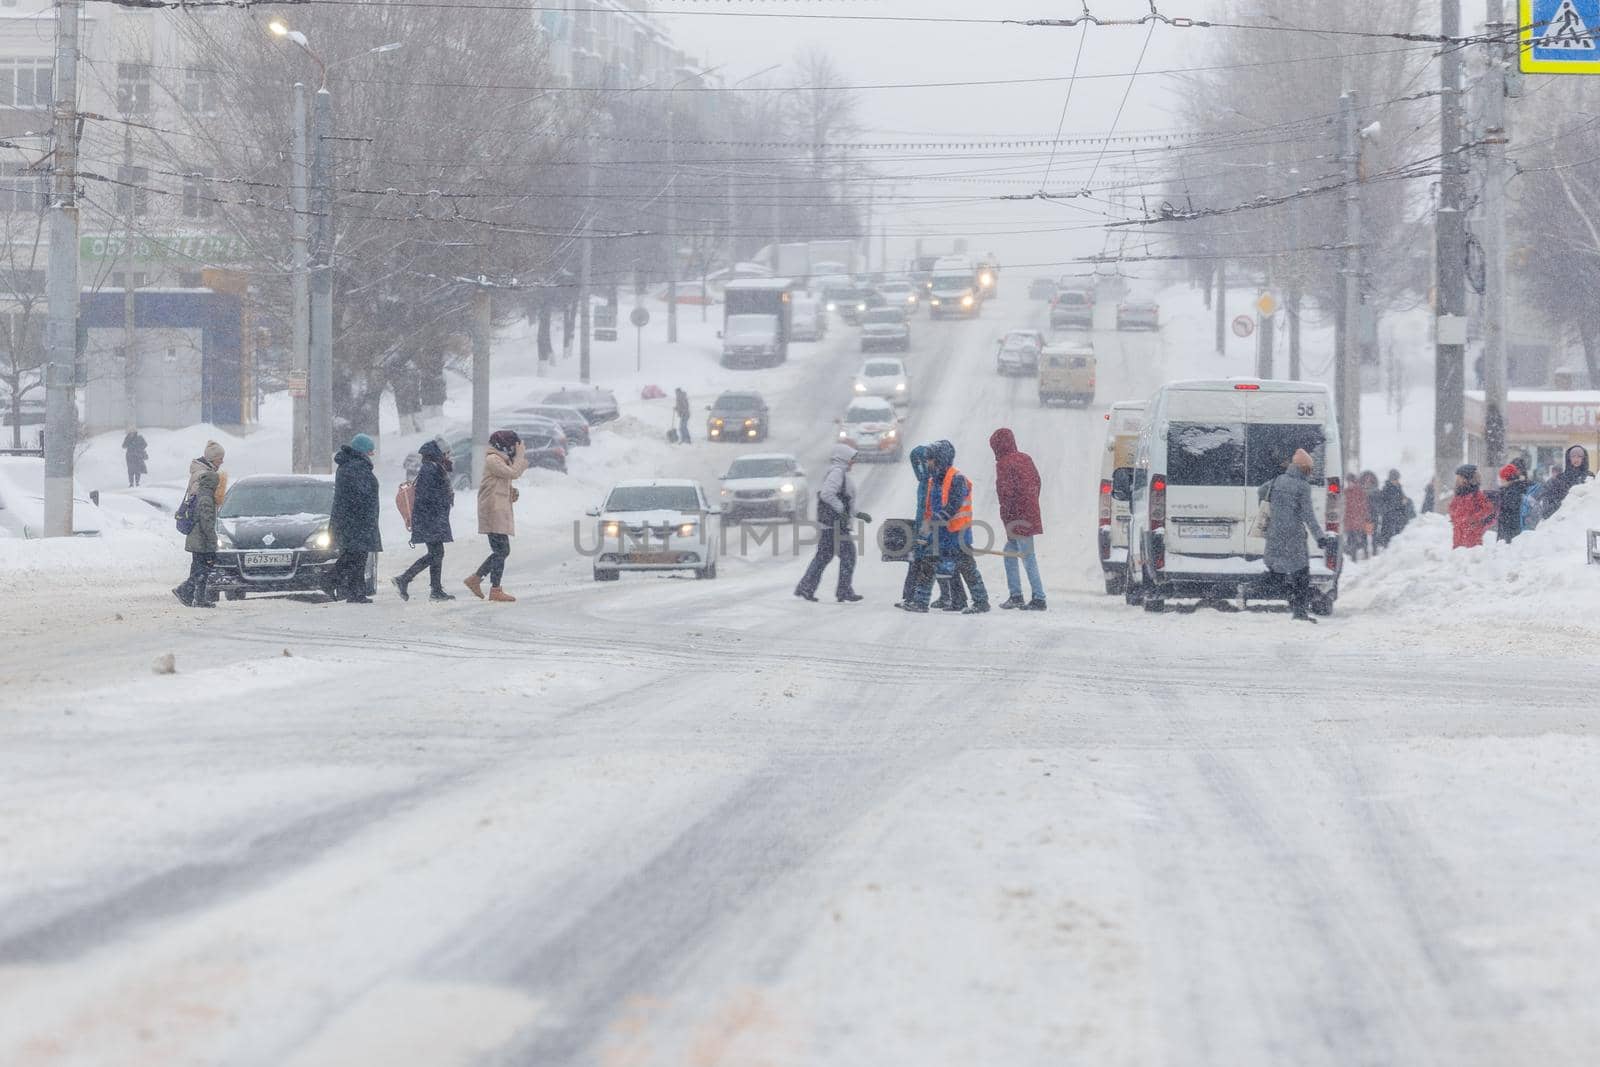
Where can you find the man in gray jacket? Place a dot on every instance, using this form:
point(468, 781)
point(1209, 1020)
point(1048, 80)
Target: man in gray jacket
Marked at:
point(836, 506)
point(1293, 517)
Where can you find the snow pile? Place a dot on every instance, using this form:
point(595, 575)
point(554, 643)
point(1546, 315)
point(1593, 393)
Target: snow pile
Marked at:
point(1542, 576)
point(74, 564)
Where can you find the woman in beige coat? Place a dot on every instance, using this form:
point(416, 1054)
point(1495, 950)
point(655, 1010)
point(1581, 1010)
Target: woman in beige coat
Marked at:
point(504, 464)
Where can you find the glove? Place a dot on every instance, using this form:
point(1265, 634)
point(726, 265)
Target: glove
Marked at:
point(863, 516)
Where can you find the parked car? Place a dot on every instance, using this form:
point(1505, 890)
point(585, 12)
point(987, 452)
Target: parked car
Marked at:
point(738, 417)
point(884, 377)
point(1139, 315)
point(1066, 375)
point(871, 426)
point(1041, 289)
point(273, 537)
point(656, 525)
point(901, 294)
point(1018, 352)
point(808, 318)
point(597, 405)
point(22, 501)
point(543, 440)
point(771, 485)
point(885, 329)
point(572, 421)
point(1072, 309)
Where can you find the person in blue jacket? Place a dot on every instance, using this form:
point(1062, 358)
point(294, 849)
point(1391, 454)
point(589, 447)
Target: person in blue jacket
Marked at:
point(919, 467)
point(950, 509)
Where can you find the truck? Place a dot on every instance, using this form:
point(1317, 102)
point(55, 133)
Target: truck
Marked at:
point(839, 253)
point(954, 291)
point(757, 322)
point(794, 261)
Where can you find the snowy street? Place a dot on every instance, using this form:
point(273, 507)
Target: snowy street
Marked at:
point(669, 822)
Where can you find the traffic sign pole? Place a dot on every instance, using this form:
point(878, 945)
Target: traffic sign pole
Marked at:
point(640, 317)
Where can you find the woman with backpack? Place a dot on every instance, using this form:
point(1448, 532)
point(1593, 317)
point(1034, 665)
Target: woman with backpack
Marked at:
point(427, 514)
point(197, 521)
point(503, 464)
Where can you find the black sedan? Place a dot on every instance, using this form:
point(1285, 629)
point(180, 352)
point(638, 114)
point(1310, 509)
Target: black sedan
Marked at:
point(572, 421)
point(852, 303)
point(738, 417)
point(273, 537)
point(544, 443)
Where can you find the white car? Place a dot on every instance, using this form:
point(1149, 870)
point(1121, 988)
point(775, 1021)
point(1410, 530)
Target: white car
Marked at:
point(22, 501)
point(884, 377)
point(808, 318)
point(872, 427)
point(1018, 352)
point(901, 294)
point(770, 485)
point(661, 524)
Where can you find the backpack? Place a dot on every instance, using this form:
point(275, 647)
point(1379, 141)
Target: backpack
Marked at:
point(184, 517)
point(404, 498)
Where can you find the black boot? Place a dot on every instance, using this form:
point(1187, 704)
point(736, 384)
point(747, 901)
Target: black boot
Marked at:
point(203, 597)
point(1011, 602)
point(803, 595)
point(440, 594)
point(184, 591)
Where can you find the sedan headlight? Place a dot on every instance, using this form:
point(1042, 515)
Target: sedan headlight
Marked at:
point(687, 529)
point(966, 301)
point(861, 307)
point(727, 492)
point(611, 529)
point(832, 306)
point(890, 435)
point(224, 538)
point(322, 540)
point(935, 301)
point(787, 488)
point(861, 387)
point(843, 436)
point(912, 299)
point(899, 387)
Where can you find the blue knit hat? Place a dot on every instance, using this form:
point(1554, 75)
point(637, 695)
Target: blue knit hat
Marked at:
point(364, 444)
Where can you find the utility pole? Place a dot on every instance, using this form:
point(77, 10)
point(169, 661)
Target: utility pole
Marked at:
point(130, 333)
point(482, 327)
point(1348, 381)
point(1222, 307)
point(585, 269)
point(319, 376)
point(672, 223)
point(1497, 307)
point(61, 340)
point(300, 229)
point(1449, 401)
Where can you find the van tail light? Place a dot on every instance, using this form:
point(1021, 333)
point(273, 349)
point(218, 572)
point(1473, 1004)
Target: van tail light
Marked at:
point(1158, 503)
point(1335, 509)
point(1105, 502)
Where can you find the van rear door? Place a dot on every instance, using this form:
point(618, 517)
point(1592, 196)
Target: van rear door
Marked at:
point(1206, 468)
point(1280, 423)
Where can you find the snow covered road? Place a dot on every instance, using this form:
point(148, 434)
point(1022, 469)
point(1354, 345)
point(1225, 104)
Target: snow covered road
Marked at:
point(669, 822)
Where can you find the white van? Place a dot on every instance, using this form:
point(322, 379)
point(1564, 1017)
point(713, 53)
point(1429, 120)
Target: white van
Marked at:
point(1123, 423)
point(1206, 449)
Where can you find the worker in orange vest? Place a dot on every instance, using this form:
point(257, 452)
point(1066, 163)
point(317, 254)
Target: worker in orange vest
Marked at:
point(949, 517)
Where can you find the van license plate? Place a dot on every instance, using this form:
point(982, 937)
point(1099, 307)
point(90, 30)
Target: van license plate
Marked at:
point(268, 559)
point(1203, 533)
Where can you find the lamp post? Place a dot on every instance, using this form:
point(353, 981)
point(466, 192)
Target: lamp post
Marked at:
point(314, 197)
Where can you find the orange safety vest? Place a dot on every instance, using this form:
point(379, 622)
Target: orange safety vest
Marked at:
point(963, 516)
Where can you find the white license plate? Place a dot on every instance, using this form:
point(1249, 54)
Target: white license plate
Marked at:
point(1204, 533)
point(268, 559)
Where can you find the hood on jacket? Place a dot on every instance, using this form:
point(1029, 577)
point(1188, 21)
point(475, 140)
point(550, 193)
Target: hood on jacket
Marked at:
point(212, 453)
point(919, 462)
point(347, 454)
point(431, 450)
point(1004, 443)
point(1580, 450)
point(941, 456)
point(842, 456)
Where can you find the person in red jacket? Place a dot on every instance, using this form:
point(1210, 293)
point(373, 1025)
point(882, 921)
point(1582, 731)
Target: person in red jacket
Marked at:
point(1357, 517)
point(1016, 482)
point(1472, 513)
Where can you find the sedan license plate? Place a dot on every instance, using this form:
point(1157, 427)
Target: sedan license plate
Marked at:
point(651, 558)
point(1204, 532)
point(268, 559)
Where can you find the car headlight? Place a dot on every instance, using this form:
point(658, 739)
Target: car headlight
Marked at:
point(986, 279)
point(687, 529)
point(224, 538)
point(611, 529)
point(966, 301)
point(322, 540)
point(912, 299)
point(832, 306)
point(716, 422)
point(899, 387)
point(891, 434)
point(727, 492)
point(787, 488)
point(861, 387)
point(843, 436)
point(861, 307)
point(935, 301)
point(749, 422)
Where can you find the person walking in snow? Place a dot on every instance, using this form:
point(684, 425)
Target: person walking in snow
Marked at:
point(836, 506)
point(354, 519)
point(1472, 513)
point(949, 515)
point(431, 501)
point(1357, 519)
point(917, 548)
point(204, 494)
point(136, 452)
point(1293, 519)
point(503, 464)
point(1514, 485)
point(1394, 510)
point(1573, 473)
point(1017, 484)
point(680, 407)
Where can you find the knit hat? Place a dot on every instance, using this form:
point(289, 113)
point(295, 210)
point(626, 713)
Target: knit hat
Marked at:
point(1303, 460)
point(364, 444)
point(1509, 472)
point(213, 453)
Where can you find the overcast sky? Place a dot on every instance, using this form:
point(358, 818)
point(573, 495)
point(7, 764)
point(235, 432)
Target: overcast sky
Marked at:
point(875, 53)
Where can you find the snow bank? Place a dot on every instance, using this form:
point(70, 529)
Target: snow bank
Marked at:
point(65, 565)
point(1543, 576)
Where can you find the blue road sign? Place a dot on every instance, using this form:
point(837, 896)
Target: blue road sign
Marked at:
point(1560, 36)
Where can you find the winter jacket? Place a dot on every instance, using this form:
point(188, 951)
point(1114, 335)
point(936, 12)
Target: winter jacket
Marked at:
point(1471, 516)
point(1016, 482)
point(138, 451)
point(836, 500)
point(680, 405)
point(1394, 510)
point(1557, 488)
point(1509, 507)
point(431, 498)
point(919, 467)
point(1293, 517)
point(354, 522)
point(495, 515)
point(941, 458)
point(207, 486)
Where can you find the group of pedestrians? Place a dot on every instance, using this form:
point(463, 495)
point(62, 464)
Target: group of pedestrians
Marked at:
point(1374, 515)
point(941, 551)
point(1518, 504)
point(424, 501)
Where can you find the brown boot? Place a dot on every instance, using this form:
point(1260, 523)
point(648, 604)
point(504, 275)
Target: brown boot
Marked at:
point(500, 596)
point(474, 583)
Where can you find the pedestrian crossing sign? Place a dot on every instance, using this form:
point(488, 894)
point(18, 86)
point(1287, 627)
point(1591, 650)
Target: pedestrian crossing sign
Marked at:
point(1560, 37)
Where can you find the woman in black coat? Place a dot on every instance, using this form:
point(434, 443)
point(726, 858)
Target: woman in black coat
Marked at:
point(431, 501)
point(354, 522)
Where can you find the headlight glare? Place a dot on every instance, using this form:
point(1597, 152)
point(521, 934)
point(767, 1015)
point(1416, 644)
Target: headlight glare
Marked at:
point(787, 488)
point(686, 530)
point(322, 540)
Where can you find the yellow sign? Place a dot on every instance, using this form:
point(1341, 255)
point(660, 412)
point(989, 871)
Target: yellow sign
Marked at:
point(1267, 304)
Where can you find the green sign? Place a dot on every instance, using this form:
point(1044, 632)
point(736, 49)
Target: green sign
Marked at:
point(206, 250)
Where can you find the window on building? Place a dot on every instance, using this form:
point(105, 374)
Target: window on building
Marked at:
point(133, 195)
point(133, 88)
point(191, 280)
point(134, 280)
point(198, 199)
point(199, 92)
point(22, 189)
point(25, 83)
